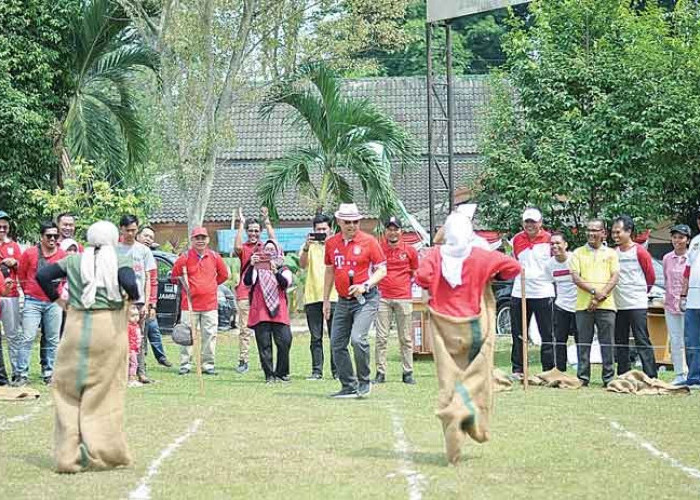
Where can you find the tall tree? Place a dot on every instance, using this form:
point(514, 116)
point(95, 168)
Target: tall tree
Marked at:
point(349, 139)
point(606, 115)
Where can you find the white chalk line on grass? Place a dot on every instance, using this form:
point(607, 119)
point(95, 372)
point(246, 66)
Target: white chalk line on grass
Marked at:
point(653, 450)
point(7, 423)
point(416, 481)
point(143, 490)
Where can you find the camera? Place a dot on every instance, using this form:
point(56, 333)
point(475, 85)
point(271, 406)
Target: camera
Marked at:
point(5, 271)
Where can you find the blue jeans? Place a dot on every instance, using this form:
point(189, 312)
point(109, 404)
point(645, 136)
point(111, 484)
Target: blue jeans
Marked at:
point(692, 345)
point(155, 339)
point(49, 315)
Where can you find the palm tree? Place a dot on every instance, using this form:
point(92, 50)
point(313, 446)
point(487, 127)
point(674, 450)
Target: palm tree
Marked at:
point(352, 139)
point(102, 124)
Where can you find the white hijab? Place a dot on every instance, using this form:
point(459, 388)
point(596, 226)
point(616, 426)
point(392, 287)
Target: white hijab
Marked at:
point(459, 239)
point(99, 267)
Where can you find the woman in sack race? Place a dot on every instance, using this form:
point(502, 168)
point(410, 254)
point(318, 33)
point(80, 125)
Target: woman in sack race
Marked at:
point(268, 279)
point(90, 373)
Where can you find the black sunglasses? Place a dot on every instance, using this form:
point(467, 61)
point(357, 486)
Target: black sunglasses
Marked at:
point(51, 236)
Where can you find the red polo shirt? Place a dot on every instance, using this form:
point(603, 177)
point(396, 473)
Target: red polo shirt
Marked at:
point(205, 273)
point(401, 262)
point(357, 254)
point(244, 256)
point(28, 266)
point(11, 250)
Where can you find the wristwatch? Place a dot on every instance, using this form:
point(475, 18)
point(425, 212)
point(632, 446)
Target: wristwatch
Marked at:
point(593, 291)
point(366, 285)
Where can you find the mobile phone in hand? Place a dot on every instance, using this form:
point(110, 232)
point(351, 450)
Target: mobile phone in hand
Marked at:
point(263, 262)
point(320, 237)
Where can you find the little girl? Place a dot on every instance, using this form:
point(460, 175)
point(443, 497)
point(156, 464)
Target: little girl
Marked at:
point(134, 345)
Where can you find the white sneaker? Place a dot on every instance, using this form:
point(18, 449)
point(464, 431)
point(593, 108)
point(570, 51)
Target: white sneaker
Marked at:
point(134, 383)
point(679, 380)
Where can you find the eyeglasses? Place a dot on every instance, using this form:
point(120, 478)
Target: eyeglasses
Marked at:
point(351, 222)
point(51, 236)
point(200, 238)
point(594, 230)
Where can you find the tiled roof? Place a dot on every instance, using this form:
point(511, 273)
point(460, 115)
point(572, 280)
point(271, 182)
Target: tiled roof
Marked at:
point(402, 98)
point(235, 181)
point(260, 140)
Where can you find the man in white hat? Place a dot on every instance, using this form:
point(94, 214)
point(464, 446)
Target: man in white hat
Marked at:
point(531, 247)
point(355, 263)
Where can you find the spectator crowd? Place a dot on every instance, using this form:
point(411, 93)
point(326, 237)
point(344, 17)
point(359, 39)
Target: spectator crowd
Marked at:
point(354, 281)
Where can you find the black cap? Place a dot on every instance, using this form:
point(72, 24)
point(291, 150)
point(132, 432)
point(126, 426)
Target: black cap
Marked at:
point(393, 221)
point(683, 229)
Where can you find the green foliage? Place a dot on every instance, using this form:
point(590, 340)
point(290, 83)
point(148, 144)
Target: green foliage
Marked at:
point(597, 115)
point(348, 138)
point(90, 198)
point(34, 82)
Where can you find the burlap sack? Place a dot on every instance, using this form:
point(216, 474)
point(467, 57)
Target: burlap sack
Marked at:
point(636, 382)
point(89, 385)
point(463, 353)
point(555, 378)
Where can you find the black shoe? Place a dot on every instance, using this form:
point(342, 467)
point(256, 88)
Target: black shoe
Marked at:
point(145, 380)
point(408, 378)
point(47, 380)
point(242, 367)
point(164, 362)
point(209, 371)
point(270, 380)
point(363, 389)
point(345, 393)
point(4, 381)
point(379, 379)
point(283, 378)
point(315, 376)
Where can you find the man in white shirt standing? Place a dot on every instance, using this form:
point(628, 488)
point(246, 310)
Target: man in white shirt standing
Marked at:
point(691, 304)
point(565, 303)
point(531, 249)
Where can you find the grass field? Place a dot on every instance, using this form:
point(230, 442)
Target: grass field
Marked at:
point(292, 441)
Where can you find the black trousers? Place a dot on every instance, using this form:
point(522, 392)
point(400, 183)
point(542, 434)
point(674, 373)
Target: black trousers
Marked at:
point(542, 309)
point(265, 333)
point(314, 318)
point(636, 320)
point(564, 325)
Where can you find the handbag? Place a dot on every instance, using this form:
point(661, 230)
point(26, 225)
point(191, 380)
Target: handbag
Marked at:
point(182, 333)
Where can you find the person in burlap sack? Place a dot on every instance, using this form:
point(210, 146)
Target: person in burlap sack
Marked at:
point(462, 316)
point(90, 372)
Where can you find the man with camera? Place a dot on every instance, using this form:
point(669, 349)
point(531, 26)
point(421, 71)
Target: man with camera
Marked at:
point(244, 252)
point(396, 300)
point(9, 302)
point(312, 258)
point(355, 264)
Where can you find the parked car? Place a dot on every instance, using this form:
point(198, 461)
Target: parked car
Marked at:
point(168, 306)
point(502, 290)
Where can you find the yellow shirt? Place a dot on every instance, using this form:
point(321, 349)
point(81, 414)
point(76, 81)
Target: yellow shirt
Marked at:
point(595, 267)
point(315, 272)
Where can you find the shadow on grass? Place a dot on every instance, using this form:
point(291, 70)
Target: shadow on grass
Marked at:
point(417, 457)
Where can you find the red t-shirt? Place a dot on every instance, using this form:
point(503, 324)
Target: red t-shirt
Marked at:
point(204, 275)
point(401, 263)
point(28, 266)
point(464, 301)
point(247, 252)
point(11, 250)
point(357, 254)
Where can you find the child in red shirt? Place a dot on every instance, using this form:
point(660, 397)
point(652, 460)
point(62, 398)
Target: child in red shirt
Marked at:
point(134, 345)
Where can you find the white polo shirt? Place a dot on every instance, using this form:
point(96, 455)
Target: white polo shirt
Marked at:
point(533, 255)
point(560, 273)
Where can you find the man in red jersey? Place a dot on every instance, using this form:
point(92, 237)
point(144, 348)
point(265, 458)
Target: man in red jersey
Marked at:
point(355, 263)
point(395, 300)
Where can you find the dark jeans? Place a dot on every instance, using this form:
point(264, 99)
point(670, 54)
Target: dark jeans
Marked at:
point(604, 320)
point(636, 319)
point(564, 325)
point(155, 338)
point(265, 332)
point(692, 345)
point(351, 323)
point(314, 318)
point(542, 309)
point(3, 371)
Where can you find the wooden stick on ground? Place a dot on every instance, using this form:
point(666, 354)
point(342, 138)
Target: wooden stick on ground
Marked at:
point(524, 328)
point(196, 343)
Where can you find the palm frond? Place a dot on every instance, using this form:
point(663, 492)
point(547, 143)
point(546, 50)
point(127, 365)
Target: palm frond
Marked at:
point(293, 170)
point(374, 176)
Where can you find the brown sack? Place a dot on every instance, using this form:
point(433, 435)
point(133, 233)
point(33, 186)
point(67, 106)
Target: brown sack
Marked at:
point(555, 378)
point(463, 353)
point(637, 382)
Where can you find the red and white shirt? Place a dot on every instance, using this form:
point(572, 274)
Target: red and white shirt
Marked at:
point(204, 274)
point(362, 254)
point(533, 255)
point(636, 277)
point(560, 273)
point(11, 250)
point(401, 263)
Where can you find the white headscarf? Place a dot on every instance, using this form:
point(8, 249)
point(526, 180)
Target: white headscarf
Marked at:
point(98, 267)
point(459, 238)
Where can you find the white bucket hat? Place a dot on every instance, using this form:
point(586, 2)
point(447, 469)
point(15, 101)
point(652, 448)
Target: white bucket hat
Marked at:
point(348, 211)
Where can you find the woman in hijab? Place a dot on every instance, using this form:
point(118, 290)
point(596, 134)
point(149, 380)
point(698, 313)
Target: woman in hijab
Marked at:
point(91, 363)
point(456, 275)
point(268, 280)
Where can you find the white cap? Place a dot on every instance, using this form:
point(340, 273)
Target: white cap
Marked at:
point(532, 214)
